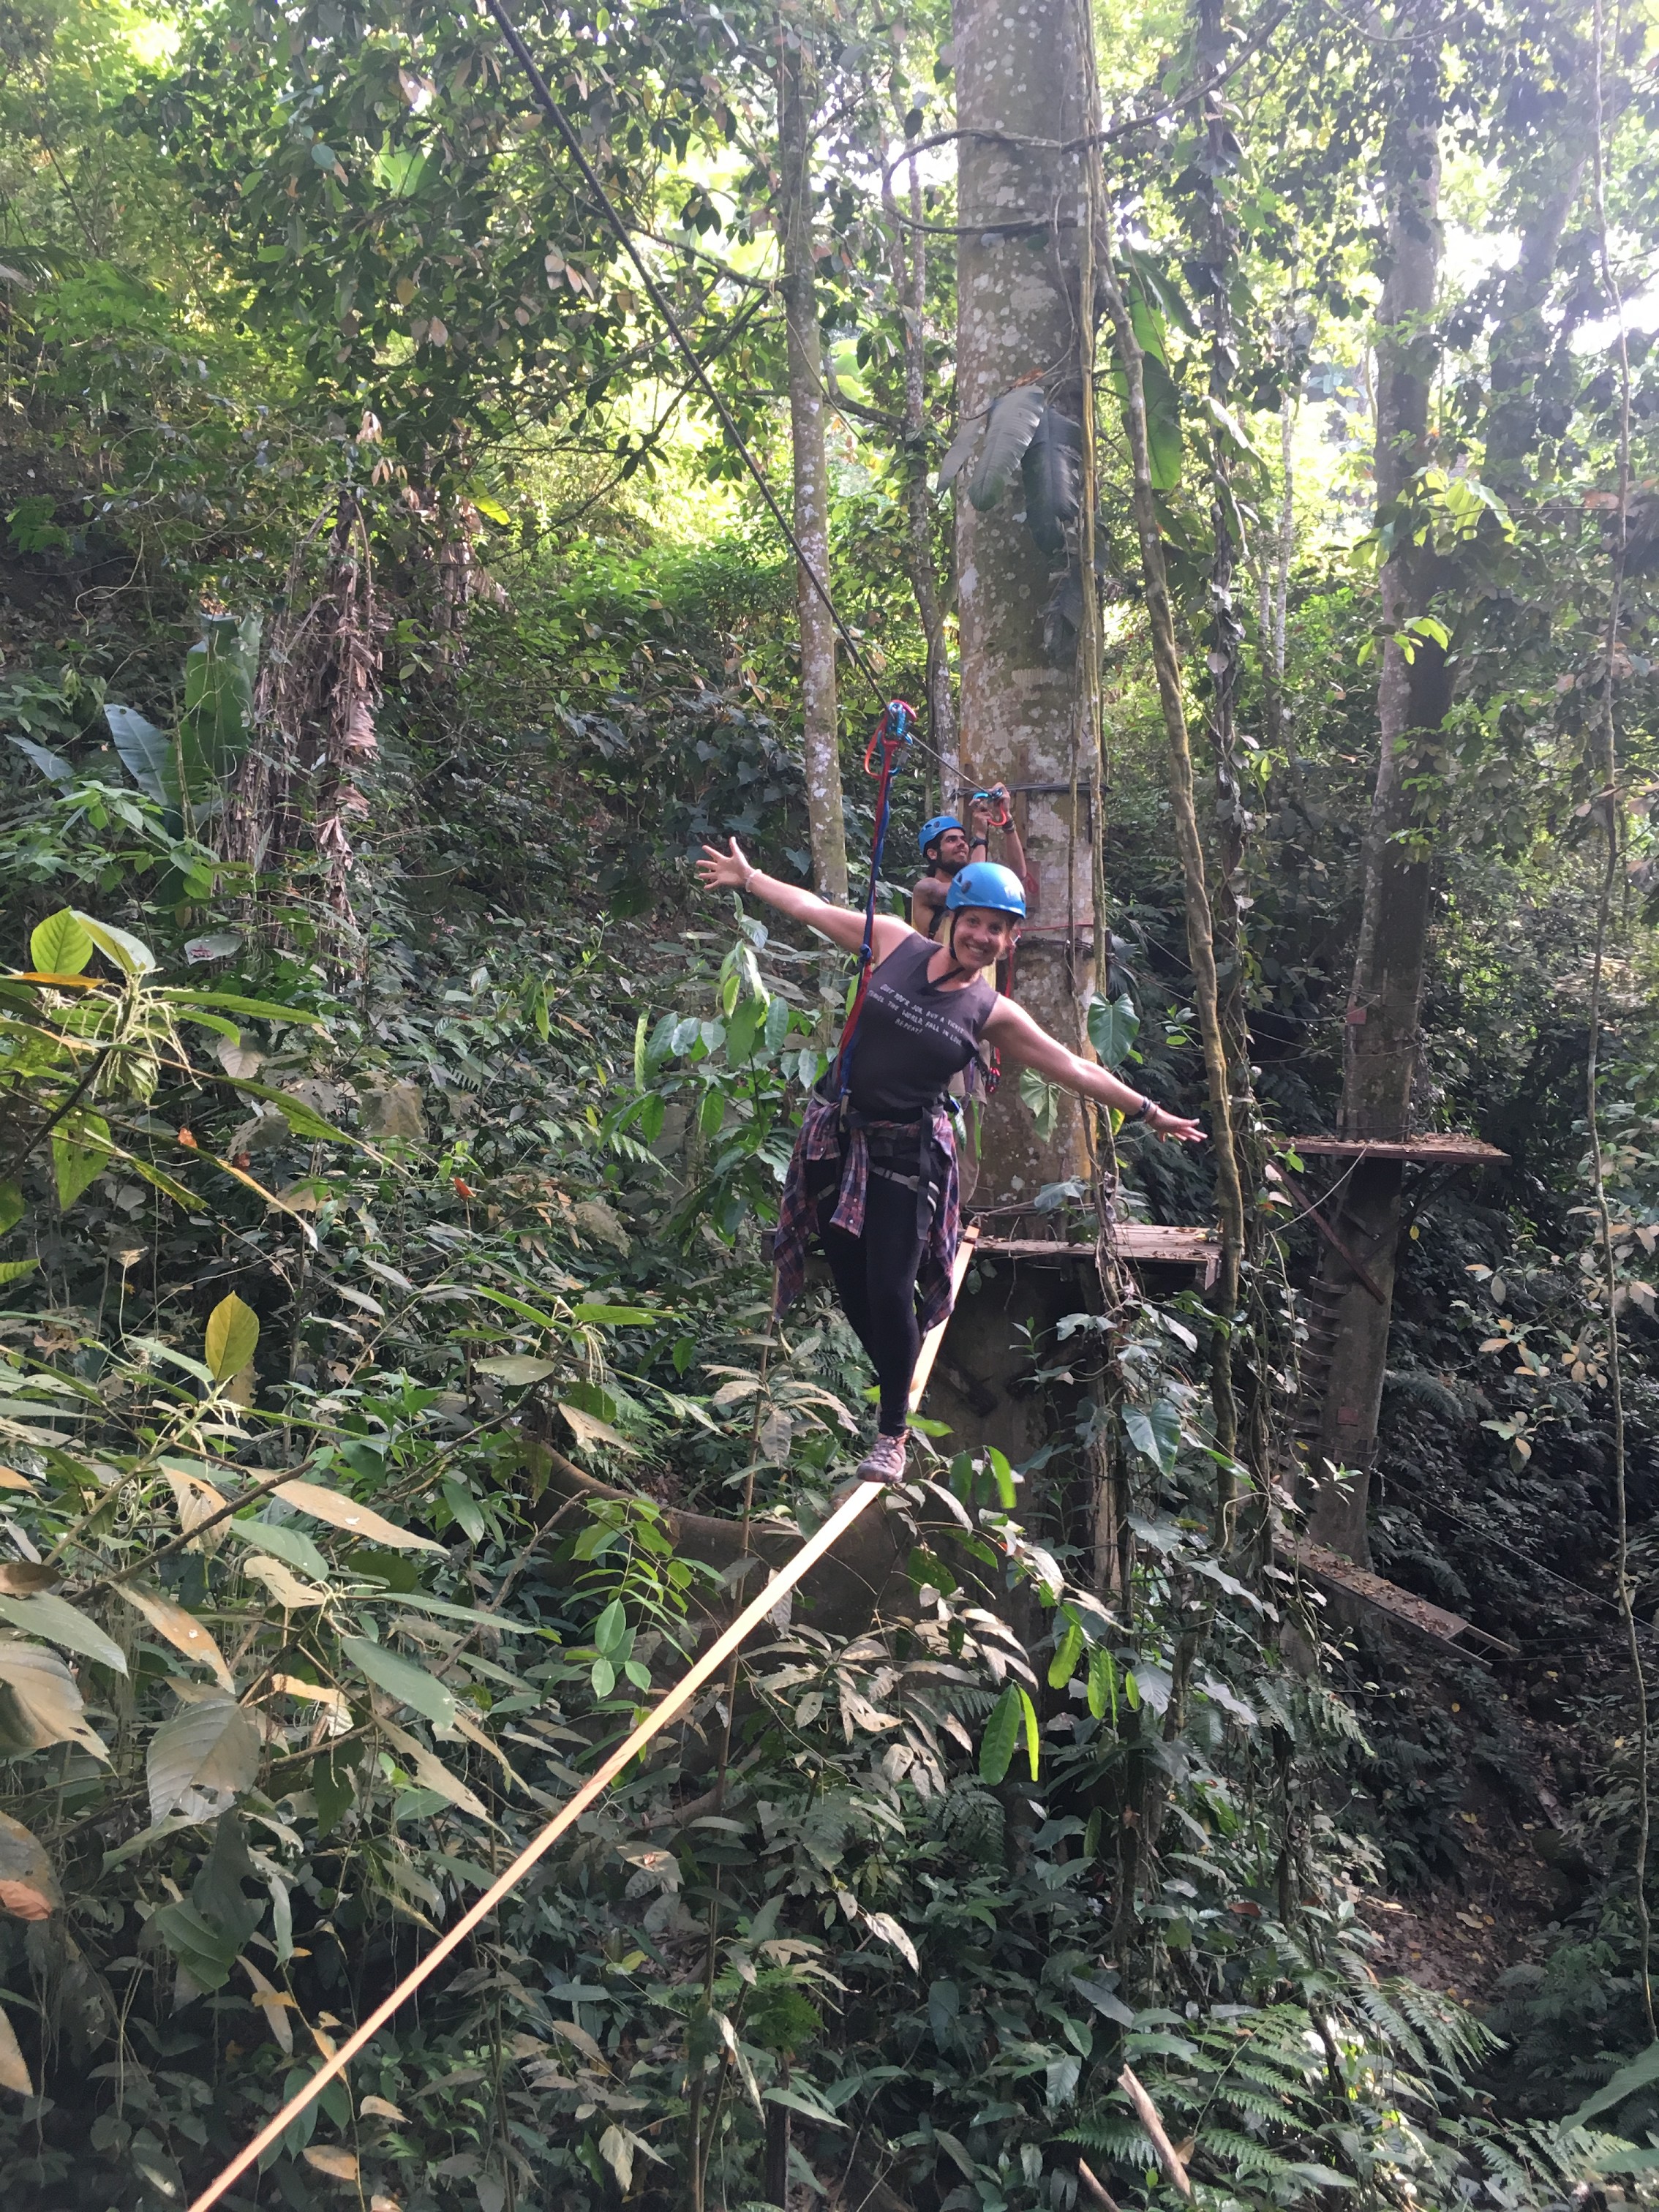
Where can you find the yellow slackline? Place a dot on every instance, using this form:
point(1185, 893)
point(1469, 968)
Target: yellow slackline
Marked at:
point(674, 1704)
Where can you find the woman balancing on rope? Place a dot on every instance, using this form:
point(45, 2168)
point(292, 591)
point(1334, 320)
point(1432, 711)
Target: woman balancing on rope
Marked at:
point(875, 1175)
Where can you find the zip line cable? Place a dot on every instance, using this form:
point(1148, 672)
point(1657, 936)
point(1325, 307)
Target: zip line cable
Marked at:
point(560, 122)
point(674, 1703)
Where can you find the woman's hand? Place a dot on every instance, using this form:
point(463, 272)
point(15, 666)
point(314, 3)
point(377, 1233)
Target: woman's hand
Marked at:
point(722, 871)
point(1163, 1123)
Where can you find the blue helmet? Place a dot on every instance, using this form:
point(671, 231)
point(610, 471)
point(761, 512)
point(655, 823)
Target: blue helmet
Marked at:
point(985, 883)
point(935, 827)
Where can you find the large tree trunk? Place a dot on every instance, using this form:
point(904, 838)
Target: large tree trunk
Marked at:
point(1414, 697)
point(1029, 73)
point(819, 737)
point(1381, 1035)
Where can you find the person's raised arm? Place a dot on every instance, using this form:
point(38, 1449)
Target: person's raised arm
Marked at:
point(733, 871)
point(1012, 1031)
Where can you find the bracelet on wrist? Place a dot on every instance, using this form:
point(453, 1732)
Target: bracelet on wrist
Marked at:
point(1145, 1111)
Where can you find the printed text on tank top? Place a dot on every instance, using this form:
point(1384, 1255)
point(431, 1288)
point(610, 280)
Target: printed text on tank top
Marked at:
point(916, 1033)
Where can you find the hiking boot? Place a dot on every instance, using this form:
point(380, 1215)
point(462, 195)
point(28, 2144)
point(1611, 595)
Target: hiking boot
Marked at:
point(885, 1461)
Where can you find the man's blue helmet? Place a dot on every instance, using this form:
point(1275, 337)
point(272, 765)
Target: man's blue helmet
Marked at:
point(984, 883)
point(936, 827)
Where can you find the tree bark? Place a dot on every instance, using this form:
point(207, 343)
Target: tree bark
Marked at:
point(1414, 697)
point(1029, 73)
point(908, 254)
point(1381, 1035)
point(820, 739)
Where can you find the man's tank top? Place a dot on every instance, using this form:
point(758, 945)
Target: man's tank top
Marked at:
point(912, 1037)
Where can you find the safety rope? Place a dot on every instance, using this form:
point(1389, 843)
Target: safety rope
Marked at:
point(894, 731)
point(556, 116)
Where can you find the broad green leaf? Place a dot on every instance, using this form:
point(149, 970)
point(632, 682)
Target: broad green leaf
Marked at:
point(712, 1112)
point(202, 1759)
point(59, 945)
point(146, 754)
point(29, 1887)
point(53, 766)
point(1028, 1712)
point(55, 1621)
point(1014, 420)
point(292, 1546)
point(1638, 2073)
point(610, 1628)
point(1155, 1431)
point(740, 1031)
point(39, 1704)
point(11, 1206)
point(957, 456)
point(219, 673)
point(1103, 1684)
point(182, 1630)
point(1113, 1025)
point(232, 1335)
point(1051, 470)
point(1003, 1475)
point(401, 1679)
point(234, 1002)
point(619, 1316)
point(127, 952)
point(517, 1368)
point(80, 1153)
point(996, 1749)
point(1063, 1665)
point(341, 1512)
point(13, 1271)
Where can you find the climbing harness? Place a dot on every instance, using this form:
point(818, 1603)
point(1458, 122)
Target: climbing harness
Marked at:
point(894, 731)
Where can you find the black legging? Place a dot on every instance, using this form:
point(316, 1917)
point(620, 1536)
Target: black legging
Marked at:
point(875, 1282)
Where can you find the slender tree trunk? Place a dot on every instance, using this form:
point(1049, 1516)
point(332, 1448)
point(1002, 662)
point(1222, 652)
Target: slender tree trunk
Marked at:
point(820, 743)
point(1381, 1035)
point(909, 267)
point(1224, 643)
point(1166, 662)
point(1028, 74)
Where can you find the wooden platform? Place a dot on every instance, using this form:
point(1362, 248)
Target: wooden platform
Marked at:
point(1177, 1247)
point(1447, 1149)
point(1335, 1572)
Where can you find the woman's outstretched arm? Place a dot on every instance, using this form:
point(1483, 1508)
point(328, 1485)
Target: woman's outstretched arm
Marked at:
point(1012, 1030)
point(732, 872)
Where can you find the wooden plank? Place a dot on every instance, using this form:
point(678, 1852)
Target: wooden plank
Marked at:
point(1432, 1620)
point(1136, 1240)
point(935, 1336)
point(1449, 1148)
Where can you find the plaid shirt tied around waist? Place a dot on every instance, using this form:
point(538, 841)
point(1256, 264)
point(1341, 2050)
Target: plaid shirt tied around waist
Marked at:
point(822, 1138)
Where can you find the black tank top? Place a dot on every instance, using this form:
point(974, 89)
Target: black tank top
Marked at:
point(912, 1037)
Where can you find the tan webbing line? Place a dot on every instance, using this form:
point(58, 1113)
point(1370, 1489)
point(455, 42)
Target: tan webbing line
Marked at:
point(673, 1704)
